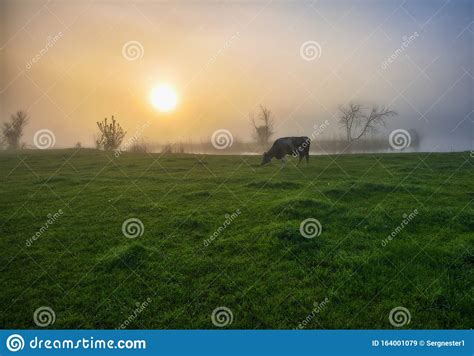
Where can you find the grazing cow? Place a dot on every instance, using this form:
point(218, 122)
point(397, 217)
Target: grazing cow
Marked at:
point(295, 146)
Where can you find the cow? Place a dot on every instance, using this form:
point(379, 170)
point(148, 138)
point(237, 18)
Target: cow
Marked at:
point(295, 146)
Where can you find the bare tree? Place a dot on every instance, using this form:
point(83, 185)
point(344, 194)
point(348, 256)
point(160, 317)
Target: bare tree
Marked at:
point(110, 135)
point(358, 124)
point(13, 131)
point(263, 126)
point(350, 115)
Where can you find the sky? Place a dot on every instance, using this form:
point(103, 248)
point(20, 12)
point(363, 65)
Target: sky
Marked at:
point(70, 64)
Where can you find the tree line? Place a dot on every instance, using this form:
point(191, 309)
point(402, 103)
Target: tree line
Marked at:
point(356, 122)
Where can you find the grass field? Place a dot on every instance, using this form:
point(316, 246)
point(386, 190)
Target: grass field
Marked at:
point(257, 263)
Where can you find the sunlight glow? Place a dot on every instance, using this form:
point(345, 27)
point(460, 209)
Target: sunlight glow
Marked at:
point(163, 98)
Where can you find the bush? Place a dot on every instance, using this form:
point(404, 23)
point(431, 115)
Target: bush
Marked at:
point(110, 135)
point(139, 147)
point(167, 149)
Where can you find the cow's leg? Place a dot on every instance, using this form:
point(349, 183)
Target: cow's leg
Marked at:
point(300, 157)
point(283, 162)
point(307, 157)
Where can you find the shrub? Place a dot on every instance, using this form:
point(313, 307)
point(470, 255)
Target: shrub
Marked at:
point(110, 136)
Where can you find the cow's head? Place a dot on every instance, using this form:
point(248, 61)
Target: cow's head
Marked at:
point(266, 158)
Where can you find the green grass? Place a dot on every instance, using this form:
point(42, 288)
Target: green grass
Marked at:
point(259, 266)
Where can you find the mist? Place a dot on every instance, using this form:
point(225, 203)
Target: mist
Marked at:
point(63, 62)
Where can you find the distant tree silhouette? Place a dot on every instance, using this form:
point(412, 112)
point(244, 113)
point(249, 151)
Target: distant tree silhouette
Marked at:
point(167, 149)
point(262, 126)
point(139, 147)
point(358, 124)
point(13, 131)
point(110, 135)
point(97, 141)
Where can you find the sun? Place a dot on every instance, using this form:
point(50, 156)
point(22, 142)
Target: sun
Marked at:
point(163, 97)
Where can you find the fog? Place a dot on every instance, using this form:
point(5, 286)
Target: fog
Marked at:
point(64, 63)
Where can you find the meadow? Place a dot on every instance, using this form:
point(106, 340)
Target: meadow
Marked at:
point(224, 231)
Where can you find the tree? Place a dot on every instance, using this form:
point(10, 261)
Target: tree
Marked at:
point(263, 126)
point(13, 131)
point(357, 123)
point(110, 135)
